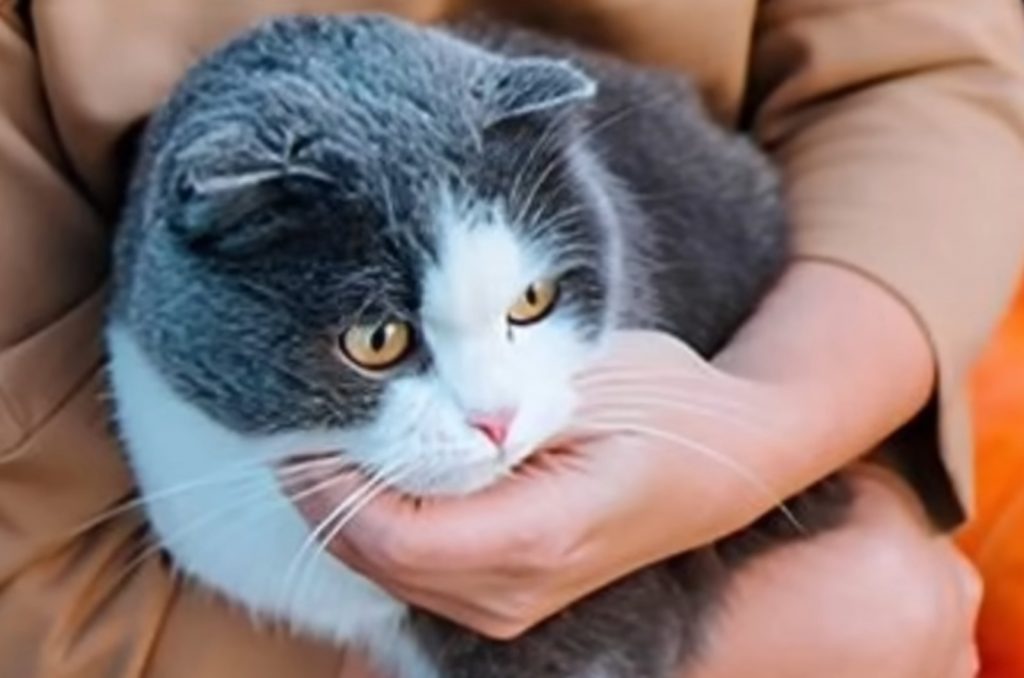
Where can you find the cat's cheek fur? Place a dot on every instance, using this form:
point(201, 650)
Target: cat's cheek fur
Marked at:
point(216, 505)
point(422, 440)
point(481, 363)
point(550, 357)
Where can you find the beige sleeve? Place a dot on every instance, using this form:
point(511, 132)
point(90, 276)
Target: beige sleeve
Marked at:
point(900, 128)
point(76, 598)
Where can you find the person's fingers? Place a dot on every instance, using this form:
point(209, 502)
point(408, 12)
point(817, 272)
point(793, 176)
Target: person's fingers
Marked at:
point(635, 363)
point(326, 497)
point(507, 526)
point(496, 610)
point(491, 601)
point(513, 616)
point(630, 349)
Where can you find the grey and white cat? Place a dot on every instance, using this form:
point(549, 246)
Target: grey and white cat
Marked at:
point(400, 245)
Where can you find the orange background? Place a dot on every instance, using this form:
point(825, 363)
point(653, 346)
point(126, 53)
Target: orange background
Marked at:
point(995, 539)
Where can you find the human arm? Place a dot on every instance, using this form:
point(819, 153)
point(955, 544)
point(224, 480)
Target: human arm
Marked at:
point(824, 345)
point(900, 128)
point(888, 154)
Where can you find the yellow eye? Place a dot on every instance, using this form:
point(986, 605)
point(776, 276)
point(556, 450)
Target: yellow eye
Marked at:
point(377, 347)
point(535, 303)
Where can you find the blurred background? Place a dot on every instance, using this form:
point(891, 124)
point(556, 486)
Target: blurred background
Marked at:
point(995, 538)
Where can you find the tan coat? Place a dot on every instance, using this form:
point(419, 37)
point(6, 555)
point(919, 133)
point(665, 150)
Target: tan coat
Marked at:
point(899, 124)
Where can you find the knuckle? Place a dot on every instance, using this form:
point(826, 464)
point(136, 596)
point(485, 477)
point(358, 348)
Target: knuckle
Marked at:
point(529, 537)
point(503, 630)
point(538, 548)
point(516, 615)
point(517, 607)
point(535, 547)
point(916, 592)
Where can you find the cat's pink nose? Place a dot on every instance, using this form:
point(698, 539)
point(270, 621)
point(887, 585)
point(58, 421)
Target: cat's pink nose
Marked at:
point(494, 425)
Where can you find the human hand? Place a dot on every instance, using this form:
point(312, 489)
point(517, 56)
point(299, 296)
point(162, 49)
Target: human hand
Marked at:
point(660, 433)
point(831, 363)
point(881, 596)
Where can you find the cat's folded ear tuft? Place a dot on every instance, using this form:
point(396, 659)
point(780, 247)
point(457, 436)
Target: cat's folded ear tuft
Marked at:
point(515, 88)
point(238, 213)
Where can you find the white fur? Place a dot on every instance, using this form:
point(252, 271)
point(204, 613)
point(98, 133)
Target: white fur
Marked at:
point(481, 363)
point(241, 537)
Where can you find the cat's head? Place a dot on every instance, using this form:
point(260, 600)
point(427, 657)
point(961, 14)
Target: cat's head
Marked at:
point(379, 234)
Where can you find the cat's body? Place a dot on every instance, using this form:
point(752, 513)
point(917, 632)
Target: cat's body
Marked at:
point(321, 176)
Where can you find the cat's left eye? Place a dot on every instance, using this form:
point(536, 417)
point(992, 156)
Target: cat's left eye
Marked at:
point(377, 347)
point(534, 304)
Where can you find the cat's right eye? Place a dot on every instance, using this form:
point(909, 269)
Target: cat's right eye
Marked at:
point(377, 347)
point(534, 304)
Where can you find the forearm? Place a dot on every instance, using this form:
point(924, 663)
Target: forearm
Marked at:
point(849, 359)
point(903, 161)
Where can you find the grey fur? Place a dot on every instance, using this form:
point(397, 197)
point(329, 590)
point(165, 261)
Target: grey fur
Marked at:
point(663, 219)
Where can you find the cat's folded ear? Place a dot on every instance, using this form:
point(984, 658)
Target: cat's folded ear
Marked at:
point(236, 214)
point(516, 88)
point(232, 203)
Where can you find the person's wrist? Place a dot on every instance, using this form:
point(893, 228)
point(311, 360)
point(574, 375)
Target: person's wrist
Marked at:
point(844, 357)
point(787, 423)
point(765, 422)
point(803, 417)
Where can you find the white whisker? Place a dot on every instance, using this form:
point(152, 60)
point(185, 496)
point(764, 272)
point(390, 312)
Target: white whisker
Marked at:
point(244, 471)
point(299, 564)
point(706, 407)
point(615, 426)
point(545, 142)
point(250, 497)
point(647, 375)
point(160, 542)
point(344, 519)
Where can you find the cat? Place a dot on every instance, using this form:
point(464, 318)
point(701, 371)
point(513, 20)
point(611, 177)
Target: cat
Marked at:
point(399, 245)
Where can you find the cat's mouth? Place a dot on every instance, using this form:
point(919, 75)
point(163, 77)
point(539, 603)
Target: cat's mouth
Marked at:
point(306, 473)
point(309, 458)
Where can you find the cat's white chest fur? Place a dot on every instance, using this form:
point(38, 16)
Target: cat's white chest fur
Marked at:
point(223, 517)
